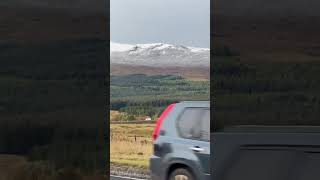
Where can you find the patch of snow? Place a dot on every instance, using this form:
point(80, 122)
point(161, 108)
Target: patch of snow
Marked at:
point(117, 47)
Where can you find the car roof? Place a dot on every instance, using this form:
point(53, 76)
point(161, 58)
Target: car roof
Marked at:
point(195, 103)
point(185, 104)
point(189, 102)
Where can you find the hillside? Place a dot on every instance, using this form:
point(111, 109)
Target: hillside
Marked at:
point(140, 94)
point(52, 75)
point(288, 34)
point(43, 25)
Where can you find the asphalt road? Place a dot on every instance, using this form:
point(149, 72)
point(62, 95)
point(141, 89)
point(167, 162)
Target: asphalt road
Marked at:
point(123, 178)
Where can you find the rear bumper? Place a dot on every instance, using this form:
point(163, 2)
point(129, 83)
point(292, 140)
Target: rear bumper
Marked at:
point(157, 171)
point(207, 177)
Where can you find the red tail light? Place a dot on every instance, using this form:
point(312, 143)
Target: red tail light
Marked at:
point(160, 121)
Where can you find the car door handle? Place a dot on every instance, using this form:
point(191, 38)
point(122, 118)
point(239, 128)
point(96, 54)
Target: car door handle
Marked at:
point(197, 149)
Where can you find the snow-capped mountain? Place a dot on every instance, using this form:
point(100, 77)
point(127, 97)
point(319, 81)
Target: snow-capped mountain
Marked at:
point(159, 54)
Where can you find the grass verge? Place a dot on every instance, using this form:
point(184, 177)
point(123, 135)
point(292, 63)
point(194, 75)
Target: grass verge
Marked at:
point(131, 144)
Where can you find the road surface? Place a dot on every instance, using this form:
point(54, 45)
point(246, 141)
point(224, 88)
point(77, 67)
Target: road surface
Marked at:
point(123, 178)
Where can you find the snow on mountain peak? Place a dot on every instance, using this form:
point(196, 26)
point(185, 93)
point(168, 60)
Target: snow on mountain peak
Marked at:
point(159, 54)
point(119, 47)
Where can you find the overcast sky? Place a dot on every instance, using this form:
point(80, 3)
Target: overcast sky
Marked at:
point(184, 22)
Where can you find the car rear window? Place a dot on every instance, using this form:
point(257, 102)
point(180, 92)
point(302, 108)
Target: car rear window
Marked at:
point(194, 123)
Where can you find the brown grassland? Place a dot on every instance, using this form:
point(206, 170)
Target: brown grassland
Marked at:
point(14, 167)
point(192, 73)
point(131, 144)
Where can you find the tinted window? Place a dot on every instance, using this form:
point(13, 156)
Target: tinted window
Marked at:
point(205, 128)
point(194, 123)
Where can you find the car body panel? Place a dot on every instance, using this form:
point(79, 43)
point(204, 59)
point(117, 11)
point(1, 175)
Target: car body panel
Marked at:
point(171, 148)
point(267, 152)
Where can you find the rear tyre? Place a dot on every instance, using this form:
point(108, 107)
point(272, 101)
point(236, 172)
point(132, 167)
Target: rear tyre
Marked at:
point(181, 174)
